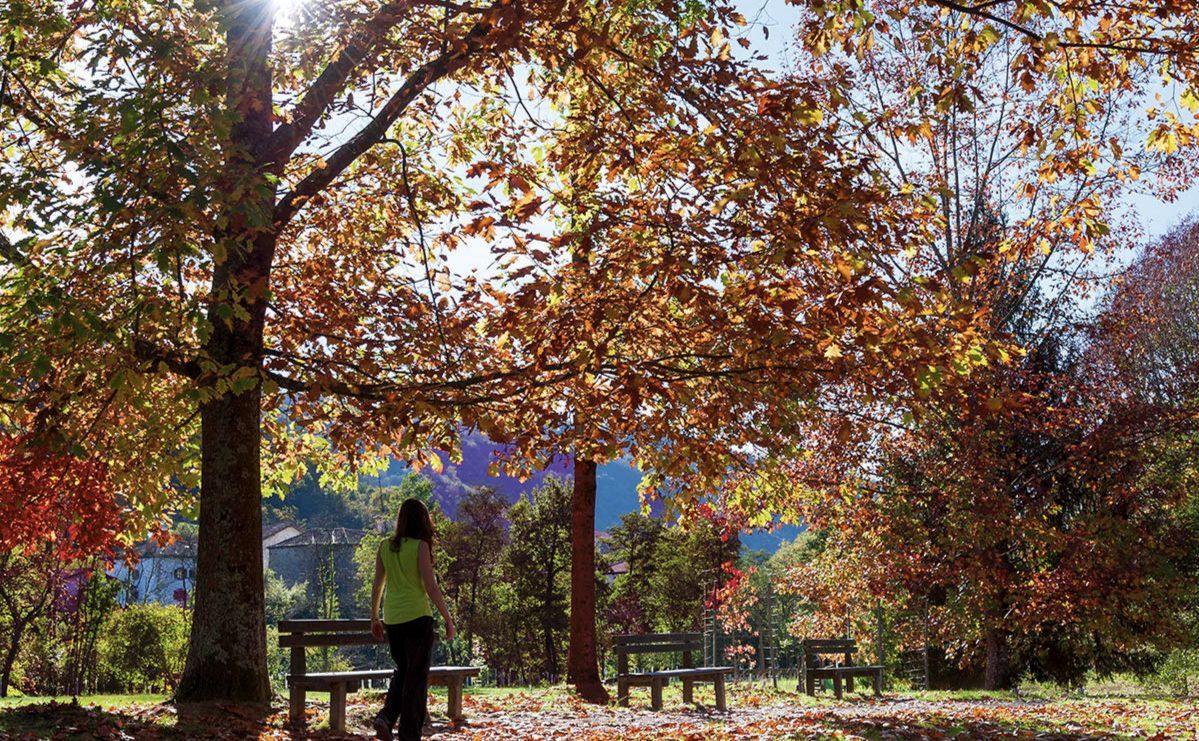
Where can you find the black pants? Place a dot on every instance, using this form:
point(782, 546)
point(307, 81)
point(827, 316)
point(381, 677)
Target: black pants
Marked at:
point(407, 695)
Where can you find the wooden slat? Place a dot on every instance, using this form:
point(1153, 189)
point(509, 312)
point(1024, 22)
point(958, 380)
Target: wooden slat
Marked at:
point(357, 676)
point(834, 643)
point(364, 674)
point(323, 683)
point(844, 670)
point(631, 638)
point(658, 648)
point(701, 671)
point(327, 639)
point(324, 626)
point(456, 670)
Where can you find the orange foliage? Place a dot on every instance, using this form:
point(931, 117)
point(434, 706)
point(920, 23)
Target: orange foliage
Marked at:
point(49, 497)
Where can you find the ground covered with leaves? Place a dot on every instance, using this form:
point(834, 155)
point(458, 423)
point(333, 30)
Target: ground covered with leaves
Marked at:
point(554, 714)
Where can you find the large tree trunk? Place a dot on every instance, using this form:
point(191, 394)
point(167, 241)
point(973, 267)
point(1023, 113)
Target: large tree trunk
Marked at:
point(999, 665)
point(226, 657)
point(227, 654)
point(582, 664)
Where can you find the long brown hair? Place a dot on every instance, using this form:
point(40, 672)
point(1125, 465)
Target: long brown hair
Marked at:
point(413, 521)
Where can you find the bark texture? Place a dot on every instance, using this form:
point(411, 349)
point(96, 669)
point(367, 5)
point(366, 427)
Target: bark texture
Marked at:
point(227, 652)
point(999, 664)
point(582, 662)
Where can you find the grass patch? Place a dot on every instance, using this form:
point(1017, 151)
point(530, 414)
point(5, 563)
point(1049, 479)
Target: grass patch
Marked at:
point(960, 695)
point(95, 716)
point(101, 701)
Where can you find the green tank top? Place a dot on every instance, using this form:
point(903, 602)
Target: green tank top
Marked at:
point(404, 596)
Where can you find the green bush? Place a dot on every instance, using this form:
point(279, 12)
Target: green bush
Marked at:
point(278, 660)
point(142, 648)
point(282, 602)
point(1178, 674)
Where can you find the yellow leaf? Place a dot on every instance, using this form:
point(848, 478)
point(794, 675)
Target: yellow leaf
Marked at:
point(1190, 100)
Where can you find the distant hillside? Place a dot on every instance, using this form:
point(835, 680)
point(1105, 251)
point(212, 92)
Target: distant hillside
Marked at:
point(616, 496)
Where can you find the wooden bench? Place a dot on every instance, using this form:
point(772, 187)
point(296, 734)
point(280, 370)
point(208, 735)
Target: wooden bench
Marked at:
point(660, 643)
point(300, 634)
point(839, 672)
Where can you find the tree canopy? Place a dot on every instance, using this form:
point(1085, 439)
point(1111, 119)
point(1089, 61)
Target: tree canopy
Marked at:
point(234, 241)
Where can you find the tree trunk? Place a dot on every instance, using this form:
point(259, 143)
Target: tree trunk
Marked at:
point(226, 657)
point(10, 657)
point(999, 667)
point(470, 611)
point(582, 663)
point(551, 655)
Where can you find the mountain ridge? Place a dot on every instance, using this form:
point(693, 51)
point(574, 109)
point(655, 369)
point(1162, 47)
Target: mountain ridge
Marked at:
point(616, 484)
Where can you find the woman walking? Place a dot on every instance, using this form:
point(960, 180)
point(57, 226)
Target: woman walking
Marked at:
point(404, 565)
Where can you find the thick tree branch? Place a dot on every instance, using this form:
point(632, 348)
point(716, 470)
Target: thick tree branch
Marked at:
point(497, 30)
point(332, 81)
point(151, 352)
point(390, 391)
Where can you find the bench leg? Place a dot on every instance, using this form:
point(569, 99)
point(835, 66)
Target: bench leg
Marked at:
point(296, 714)
point(688, 695)
point(337, 708)
point(655, 689)
point(622, 693)
point(454, 699)
point(810, 681)
point(849, 683)
point(878, 683)
point(721, 705)
point(837, 685)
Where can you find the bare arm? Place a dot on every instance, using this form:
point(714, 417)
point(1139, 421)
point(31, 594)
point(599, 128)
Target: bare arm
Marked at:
point(377, 596)
point(427, 575)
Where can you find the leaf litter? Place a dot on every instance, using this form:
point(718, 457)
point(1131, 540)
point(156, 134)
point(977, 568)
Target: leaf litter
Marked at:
point(566, 718)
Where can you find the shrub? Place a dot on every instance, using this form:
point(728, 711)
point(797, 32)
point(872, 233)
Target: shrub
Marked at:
point(282, 601)
point(278, 660)
point(142, 648)
point(1178, 674)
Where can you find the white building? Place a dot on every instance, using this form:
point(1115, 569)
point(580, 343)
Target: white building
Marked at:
point(167, 574)
point(163, 574)
point(275, 534)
